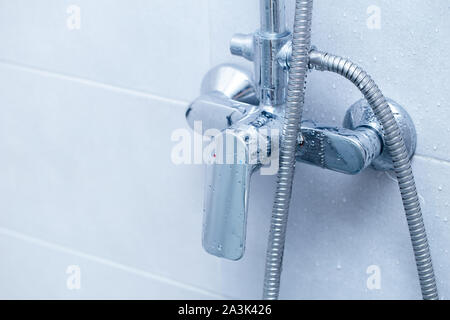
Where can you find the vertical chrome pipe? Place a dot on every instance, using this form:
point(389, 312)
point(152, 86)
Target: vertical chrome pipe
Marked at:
point(273, 16)
point(271, 77)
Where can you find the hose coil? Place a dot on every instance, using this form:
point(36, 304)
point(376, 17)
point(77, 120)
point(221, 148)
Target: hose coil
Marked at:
point(296, 92)
point(398, 152)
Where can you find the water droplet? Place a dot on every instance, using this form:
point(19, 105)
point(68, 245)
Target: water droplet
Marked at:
point(440, 188)
point(435, 148)
point(339, 267)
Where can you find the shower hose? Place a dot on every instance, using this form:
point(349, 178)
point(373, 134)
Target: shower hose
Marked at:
point(301, 59)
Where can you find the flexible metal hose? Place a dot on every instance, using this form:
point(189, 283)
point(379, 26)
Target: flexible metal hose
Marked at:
point(397, 150)
point(296, 91)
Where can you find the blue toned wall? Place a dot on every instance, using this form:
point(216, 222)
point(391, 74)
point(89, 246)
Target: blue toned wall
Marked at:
point(87, 108)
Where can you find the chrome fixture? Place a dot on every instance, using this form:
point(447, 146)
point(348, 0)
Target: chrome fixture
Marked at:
point(262, 47)
point(249, 109)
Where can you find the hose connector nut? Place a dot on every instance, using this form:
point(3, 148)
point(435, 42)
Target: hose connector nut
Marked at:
point(316, 59)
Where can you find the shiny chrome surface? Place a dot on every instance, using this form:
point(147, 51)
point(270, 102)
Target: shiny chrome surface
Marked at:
point(216, 111)
point(360, 115)
point(225, 208)
point(338, 149)
point(273, 16)
point(359, 144)
point(271, 78)
point(228, 95)
point(263, 48)
point(232, 81)
point(243, 45)
point(243, 149)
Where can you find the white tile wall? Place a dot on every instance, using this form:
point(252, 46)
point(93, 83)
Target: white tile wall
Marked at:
point(42, 271)
point(83, 173)
point(86, 178)
point(144, 45)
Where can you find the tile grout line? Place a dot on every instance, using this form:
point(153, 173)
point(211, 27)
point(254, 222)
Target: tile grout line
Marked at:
point(134, 92)
point(88, 82)
point(438, 160)
point(107, 262)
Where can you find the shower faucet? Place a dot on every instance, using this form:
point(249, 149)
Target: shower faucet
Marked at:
point(251, 118)
point(248, 108)
point(229, 103)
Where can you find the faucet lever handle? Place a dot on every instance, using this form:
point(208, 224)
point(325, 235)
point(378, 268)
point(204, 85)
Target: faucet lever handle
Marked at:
point(338, 149)
point(226, 201)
